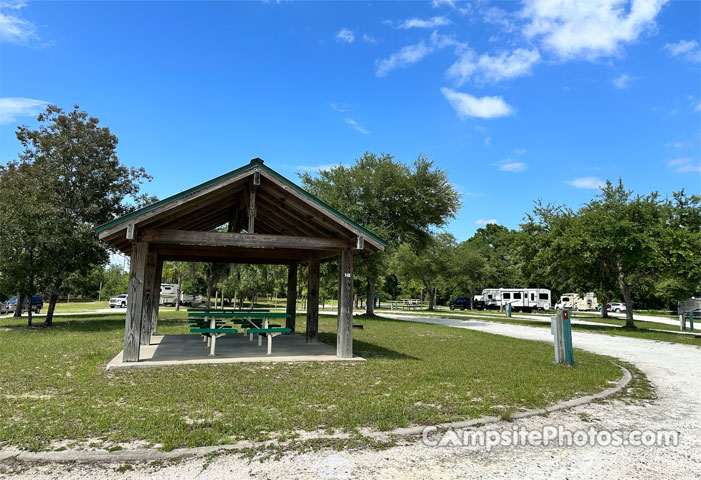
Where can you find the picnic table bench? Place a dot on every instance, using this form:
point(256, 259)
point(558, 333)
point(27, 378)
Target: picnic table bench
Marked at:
point(251, 322)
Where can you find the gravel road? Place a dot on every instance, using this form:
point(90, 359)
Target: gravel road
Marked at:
point(673, 369)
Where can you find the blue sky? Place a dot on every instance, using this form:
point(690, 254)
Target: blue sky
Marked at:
point(516, 100)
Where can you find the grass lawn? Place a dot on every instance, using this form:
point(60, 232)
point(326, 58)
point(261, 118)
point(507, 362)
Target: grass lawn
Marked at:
point(53, 385)
point(645, 330)
point(77, 307)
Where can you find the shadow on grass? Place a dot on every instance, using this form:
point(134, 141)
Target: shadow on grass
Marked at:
point(367, 350)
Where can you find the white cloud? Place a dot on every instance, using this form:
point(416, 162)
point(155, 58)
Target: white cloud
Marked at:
point(13, 28)
point(314, 168)
point(622, 81)
point(698, 107)
point(520, 151)
point(500, 17)
point(510, 165)
point(493, 68)
point(368, 39)
point(468, 106)
point(588, 29)
point(411, 54)
point(482, 221)
point(439, 3)
point(685, 49)
point(356, 126)
point(487, 141)
point(13, 107)
point(427, 23)
point(586, 182)
point(684, 165)
point(336, 107)
point(344, 35)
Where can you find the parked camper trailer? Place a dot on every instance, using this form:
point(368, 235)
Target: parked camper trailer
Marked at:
point(169, 294)
point(576, 301)
point(520, 299)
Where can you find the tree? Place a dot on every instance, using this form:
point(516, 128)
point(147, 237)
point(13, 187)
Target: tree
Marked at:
point(428, 266)
point(468, 267)
point(29, 216)
point(115, 281)
point(400, 203)
point(214, 272)
point(620, 242)
point(89, 186)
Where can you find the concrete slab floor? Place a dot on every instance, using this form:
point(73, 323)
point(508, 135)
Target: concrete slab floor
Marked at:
point(168, 350)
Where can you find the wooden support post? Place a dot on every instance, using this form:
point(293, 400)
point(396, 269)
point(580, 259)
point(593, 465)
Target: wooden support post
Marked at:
point(313, 300)
point(156, 297)
point(147, 295)
point(132, 326)
point(291, 296)
point(344, 335)
point(252, 210)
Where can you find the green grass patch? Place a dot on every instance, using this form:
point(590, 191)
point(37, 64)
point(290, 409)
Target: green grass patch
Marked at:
point(54, 387)
point(644, 330)
point(77, 307)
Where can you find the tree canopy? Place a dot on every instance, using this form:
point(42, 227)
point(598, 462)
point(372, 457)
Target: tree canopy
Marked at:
point(86, 185)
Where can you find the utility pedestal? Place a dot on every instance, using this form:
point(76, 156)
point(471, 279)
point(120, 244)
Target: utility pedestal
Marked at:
point(562, 331)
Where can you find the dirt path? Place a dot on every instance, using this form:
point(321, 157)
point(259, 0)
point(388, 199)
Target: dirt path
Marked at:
point(673, 369)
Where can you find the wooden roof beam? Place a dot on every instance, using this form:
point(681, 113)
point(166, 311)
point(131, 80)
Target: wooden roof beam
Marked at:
point(246, 240)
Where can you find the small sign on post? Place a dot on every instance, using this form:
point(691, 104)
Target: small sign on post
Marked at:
point(562, 331)
point(508, 310)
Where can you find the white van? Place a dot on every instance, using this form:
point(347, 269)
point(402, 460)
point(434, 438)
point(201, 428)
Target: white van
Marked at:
point(575, 301)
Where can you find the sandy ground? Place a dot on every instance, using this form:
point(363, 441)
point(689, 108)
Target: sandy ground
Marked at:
point(673, 369)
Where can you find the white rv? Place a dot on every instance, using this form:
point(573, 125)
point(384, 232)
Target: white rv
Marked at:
point(575, 301)
point(520, 299)
point(169, 295)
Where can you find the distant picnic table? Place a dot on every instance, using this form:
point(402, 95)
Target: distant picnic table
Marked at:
point(407, 304)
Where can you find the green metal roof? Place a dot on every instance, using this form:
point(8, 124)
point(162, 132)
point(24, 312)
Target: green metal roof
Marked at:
point(256, 162)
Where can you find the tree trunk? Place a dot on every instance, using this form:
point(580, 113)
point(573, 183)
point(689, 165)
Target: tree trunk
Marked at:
point(370, 302)
point(431, 292)
point(209, 293)
point(355, 300)
point(604, 301)
point(18, 305)
point(625, 291)
point(179, 291)
point(29, 312)
point(53, 298)
point(472, 298)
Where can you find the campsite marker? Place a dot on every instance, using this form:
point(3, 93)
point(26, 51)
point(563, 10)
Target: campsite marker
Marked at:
point(561, 329)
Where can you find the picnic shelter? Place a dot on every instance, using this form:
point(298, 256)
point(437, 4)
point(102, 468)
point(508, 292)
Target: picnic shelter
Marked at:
point(268, 220)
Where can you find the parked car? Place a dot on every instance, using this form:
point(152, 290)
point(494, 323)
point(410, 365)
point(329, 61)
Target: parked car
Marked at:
point(10, 305)
point(460, 302)
point(120, 301)
point(615, 307)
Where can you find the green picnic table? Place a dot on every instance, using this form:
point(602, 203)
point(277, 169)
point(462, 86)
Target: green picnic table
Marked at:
point(253, 322)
